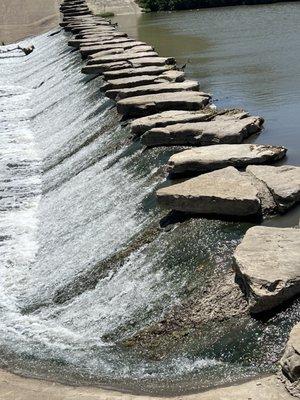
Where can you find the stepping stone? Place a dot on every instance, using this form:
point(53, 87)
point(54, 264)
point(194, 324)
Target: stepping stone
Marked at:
point(135, 81)
point(105, 41)
point(231, 128)
point(134, 63)
point(150, 104)
point(267, 263)
point(144, 124)
point(283, 182)
point(290, 361)
point(130, 72)
point(125, 56)
point(210, 158)
point(120, 50)
point(86, 50)
point(94, 40)
point(152, 89)
point(124, 65)
point(96, 30)
point(225, 192)
point(97, 33)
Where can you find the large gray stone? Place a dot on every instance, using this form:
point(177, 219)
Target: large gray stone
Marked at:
point(131, 72)
point(229, 128)
point(267, 263)
point(94, 40)
point(153, 103)
point(226, 192)
point(290, 361)
point(134, 81)
point(87, 50)
point(129, 64)
point(283, 182)
point(144, 124)
point(125, 56)
point(135, 62)
point(152, 89)
point(119, 50)
point(210, 158)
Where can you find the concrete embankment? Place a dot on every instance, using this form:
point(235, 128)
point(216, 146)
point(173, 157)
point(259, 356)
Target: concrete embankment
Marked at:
point(118, 7)
point(20, 19)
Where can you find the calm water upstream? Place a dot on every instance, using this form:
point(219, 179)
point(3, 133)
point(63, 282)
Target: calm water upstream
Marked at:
point(84, 264)
point(247, 57)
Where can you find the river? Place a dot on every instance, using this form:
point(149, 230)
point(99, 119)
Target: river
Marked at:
point(84, 262)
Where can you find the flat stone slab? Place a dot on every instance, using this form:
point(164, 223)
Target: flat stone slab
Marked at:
point(125, 56)
point(290, 361)
point(121, 65)
point(152, 89)
point(120, 50)
point(283, 182)
point(135, 81)
point(93, 67)
point(131, 72)
point(87, 50)
point(268, 264)
point(93, 40)
point(209, 158)
point(228, 129)
point(144, 124)
point(225, 192)
point(135, 62)
point(153, 103)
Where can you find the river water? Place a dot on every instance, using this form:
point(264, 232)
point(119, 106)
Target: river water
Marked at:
point(84, 261)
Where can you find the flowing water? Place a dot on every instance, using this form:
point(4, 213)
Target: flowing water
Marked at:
point(84, 261)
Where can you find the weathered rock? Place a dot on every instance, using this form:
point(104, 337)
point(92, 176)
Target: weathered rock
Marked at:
point(131, 72)
point(210, 158)
point(117, 50)
point(290, 361)
point(267, 264)
point(225, 192)
point(144, 124)
point(27, 50)
point(93, 40)
point(170, 76)
point(117, 40)
point(95, 31)
point(125, 56)
point(153, 103)
point(283, 182)
point(228, 129)
point(134, 81)
point(133, 63)
point(86, 50)
point(152, 89)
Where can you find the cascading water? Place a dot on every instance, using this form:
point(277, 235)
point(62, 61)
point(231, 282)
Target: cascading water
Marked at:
point(84, 263)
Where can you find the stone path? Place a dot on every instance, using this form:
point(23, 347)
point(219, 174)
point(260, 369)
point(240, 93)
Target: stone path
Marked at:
point(268, 265)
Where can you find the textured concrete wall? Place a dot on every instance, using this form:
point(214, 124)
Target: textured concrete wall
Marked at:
point(119, 7)
point(22, 18)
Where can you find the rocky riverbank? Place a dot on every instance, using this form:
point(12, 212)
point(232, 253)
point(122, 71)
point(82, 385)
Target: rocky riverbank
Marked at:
point(13, 387)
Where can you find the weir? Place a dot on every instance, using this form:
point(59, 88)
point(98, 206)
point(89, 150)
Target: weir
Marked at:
point(104, 286)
